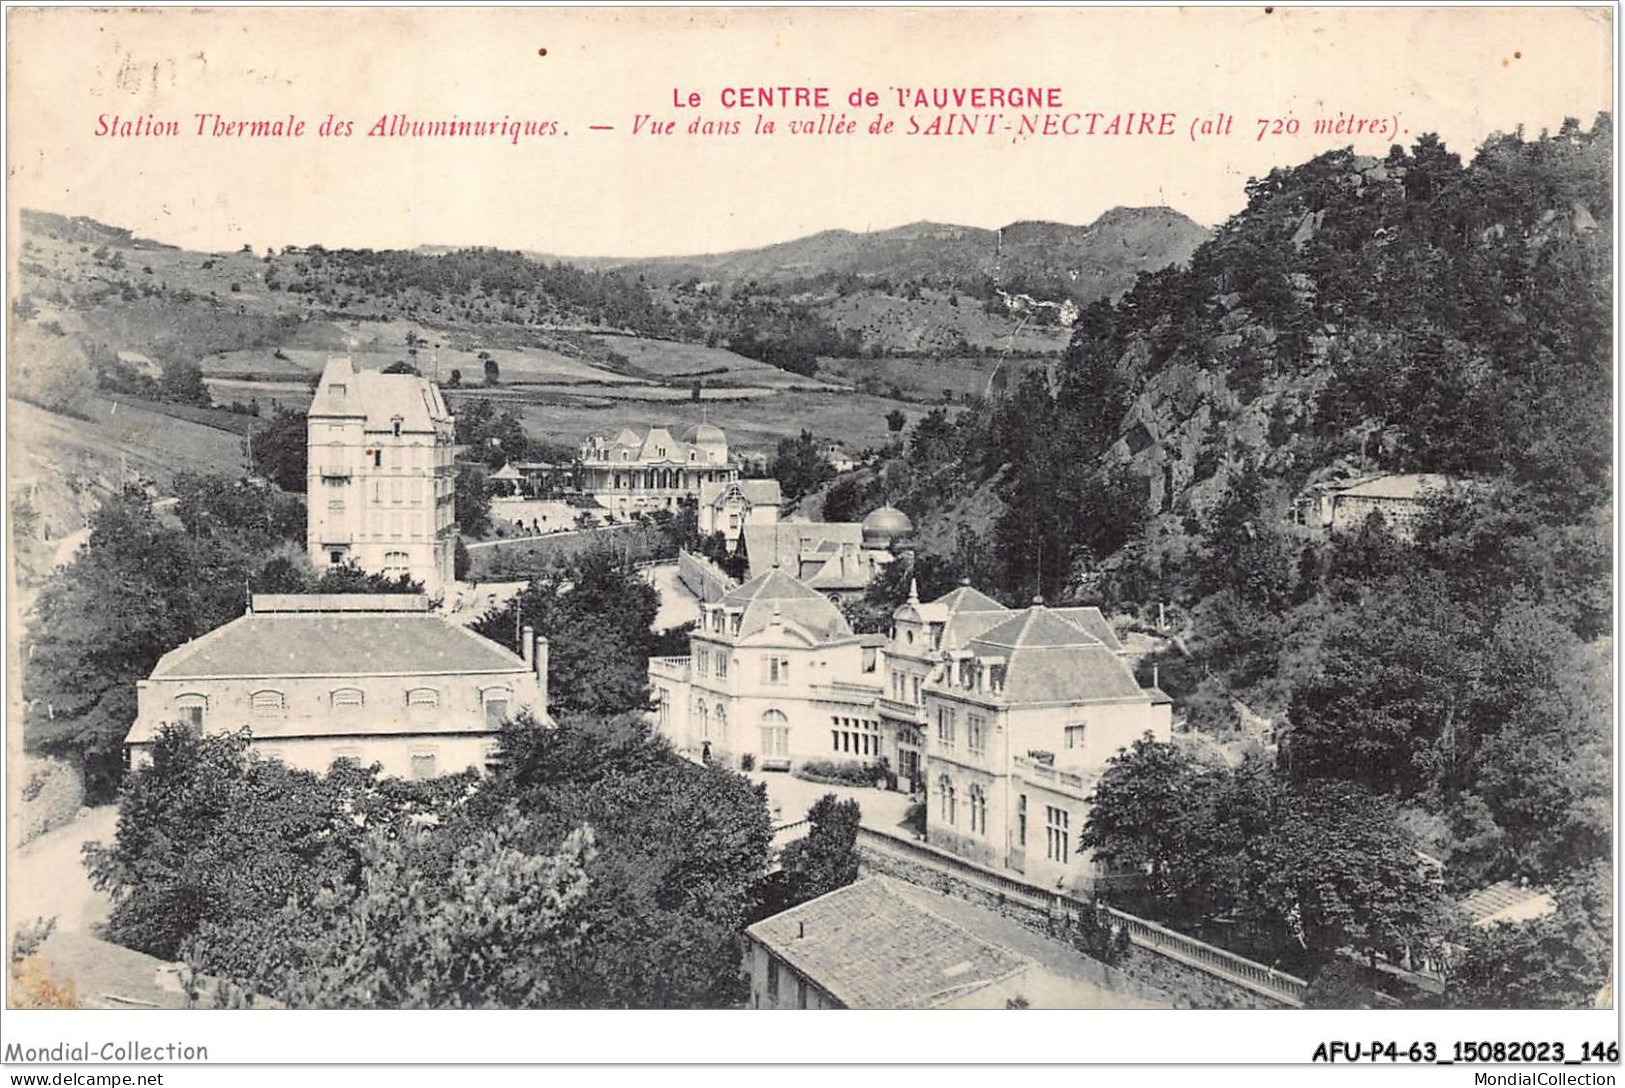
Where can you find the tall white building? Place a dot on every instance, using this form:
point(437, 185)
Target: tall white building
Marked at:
point(381, 479)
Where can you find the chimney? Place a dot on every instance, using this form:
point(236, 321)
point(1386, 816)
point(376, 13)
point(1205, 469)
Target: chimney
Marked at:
point(540, 656)
point(527, 645)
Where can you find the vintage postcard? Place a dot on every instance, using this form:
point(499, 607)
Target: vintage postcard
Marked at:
point(1105, 510)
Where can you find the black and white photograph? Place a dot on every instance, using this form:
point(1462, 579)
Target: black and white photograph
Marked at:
point(1094, 511)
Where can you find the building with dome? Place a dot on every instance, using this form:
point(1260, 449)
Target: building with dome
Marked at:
point(836, 558)
point(626, 472)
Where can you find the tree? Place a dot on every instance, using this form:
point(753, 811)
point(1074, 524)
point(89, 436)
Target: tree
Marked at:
point(493, 373)
point(461, 564)
point(279, 450)
point(895, 420)
point(597, 615)
point(183, 383)
point(1559, 961)
point(456, 379)
point(825, 859)
point(403, 367)
point(137, 589)
point(799, 466)
point(681, 850)
point(416, 932)
point(210, 835)
point(473, 500)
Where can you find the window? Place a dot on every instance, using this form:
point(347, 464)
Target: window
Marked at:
point(1021, 820)
point(348, 700)
point(663, 707)
point(268, 704)
point(871, 658)
point(336, 558)
point(801, 993)
point(496, 706)
point(397, 564)
point(701, 662)
point(192, 708)
point(347, 751)
point(978, 810)
point(421, 703)
point(722, 665)
point(775, 735)
point(423, 765)
point(702, 714)
point(377, 458)
point(946, 802)
point(976, 733)
point(945, 728)
point(1074, 736)
point(773, 981)
point(776, 670)
point(1057, 846)
point(917, 701)
point(338, 389)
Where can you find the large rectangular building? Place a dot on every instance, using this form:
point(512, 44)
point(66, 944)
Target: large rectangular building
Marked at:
point(377, 678)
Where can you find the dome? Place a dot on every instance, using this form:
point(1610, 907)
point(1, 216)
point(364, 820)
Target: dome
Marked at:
point(886, 526)
point(707, 435)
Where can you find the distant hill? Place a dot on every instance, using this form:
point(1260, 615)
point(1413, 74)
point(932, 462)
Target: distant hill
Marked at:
point(1047, 260)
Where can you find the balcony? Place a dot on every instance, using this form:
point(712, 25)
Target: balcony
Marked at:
point(901, 711)
point(1034, 771)
point(669, 668)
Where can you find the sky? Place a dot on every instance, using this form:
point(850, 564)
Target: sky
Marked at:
point(1462, 72)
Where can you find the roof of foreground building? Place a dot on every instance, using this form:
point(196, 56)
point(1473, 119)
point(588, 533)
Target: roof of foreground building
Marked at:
point(290, 635)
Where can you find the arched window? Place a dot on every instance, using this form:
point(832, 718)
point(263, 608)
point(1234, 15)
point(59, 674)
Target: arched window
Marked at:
point(978, 811)
point(775, 735)
point(421, 703)
point(947, 801)
point(268, 703)
point(722, 724)
point(193, 708)
point(702, 714)
point(348, 700)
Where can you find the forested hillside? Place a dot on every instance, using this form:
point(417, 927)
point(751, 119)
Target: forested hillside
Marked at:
point(1410, 313)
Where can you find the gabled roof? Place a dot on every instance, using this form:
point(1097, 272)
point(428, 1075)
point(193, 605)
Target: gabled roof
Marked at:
point(783, 546)
point(266, 645)
point(1405, 486)
point(870, 948)
point(1049, 659)
point(778, 596)
point(969, 599)
point(755, 492)
point(1507, 901)
point(378, 398)
point(1095, 623)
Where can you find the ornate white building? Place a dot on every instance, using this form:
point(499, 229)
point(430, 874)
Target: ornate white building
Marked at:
point(1005, 718)
point(625, 472)
point(381, 484)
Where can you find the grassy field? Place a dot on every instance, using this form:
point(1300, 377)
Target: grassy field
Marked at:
point(856, 419)
point(927, 380)
point(669, 360)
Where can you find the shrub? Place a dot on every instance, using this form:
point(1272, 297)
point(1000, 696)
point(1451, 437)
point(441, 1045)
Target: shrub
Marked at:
point(840, 772)
point(51, 797)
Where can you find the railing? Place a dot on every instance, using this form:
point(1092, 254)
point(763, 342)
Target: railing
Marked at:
point(906, 711)
point(1221, 964)
point(673, 668)
point(1214, 961)
point(1043, 772)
